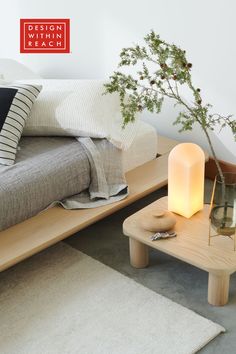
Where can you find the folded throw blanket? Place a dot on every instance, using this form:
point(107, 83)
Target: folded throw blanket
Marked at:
point(107, 184)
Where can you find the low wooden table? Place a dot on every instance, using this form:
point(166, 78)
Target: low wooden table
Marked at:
point(190, 246)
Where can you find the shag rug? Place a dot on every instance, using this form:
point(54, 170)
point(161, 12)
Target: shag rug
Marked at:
point(62, 301)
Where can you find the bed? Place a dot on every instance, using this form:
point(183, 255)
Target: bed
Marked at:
point(50, 226)
point(144, 164)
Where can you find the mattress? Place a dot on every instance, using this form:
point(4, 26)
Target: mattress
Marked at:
point(143, 148)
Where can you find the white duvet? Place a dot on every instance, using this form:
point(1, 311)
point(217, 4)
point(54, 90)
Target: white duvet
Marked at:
point(79, 108)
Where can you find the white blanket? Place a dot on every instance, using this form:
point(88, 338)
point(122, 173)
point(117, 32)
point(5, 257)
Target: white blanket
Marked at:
point(79, 108)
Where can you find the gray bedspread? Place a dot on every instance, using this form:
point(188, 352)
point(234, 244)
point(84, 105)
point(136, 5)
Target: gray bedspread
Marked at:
point(79, 173)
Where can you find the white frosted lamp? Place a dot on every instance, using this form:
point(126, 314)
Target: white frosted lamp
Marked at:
point(186, 167)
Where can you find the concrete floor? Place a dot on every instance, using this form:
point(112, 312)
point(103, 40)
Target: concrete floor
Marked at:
point(166, 275)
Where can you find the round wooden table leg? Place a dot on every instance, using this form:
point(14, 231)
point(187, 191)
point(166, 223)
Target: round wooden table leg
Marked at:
point(138, 253)
point(218, 289)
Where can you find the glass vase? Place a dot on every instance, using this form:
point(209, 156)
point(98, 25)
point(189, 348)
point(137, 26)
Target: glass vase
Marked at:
point(223, 208)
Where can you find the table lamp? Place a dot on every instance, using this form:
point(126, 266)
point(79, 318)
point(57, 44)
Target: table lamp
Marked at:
point(186, 166)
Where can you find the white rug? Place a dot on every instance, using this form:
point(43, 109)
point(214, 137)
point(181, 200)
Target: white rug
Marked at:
point(62, 301)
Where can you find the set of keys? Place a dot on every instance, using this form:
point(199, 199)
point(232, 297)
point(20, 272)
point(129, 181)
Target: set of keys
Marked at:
point(163, 235)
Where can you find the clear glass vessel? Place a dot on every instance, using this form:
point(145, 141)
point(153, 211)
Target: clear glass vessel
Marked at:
point(223, 207)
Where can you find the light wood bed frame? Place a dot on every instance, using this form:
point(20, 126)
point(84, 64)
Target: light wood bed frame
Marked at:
point(47, 228)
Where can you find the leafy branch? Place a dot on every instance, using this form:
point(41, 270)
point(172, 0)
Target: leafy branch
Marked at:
point(162, 70)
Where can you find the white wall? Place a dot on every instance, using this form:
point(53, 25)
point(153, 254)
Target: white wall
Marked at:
point(99, 29)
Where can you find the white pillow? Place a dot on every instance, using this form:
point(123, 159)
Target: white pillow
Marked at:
point(13, 70)
point(42, 120)
point(79, 108)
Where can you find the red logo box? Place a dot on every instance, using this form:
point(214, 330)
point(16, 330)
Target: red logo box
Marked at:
point(45, 35)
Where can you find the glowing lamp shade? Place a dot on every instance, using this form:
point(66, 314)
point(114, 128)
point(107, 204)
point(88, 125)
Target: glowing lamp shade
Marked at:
point(186, 166)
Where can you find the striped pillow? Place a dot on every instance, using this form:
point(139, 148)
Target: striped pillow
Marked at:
point(16, 102)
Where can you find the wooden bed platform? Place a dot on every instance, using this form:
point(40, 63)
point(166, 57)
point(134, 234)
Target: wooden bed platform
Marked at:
point(53, 225)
